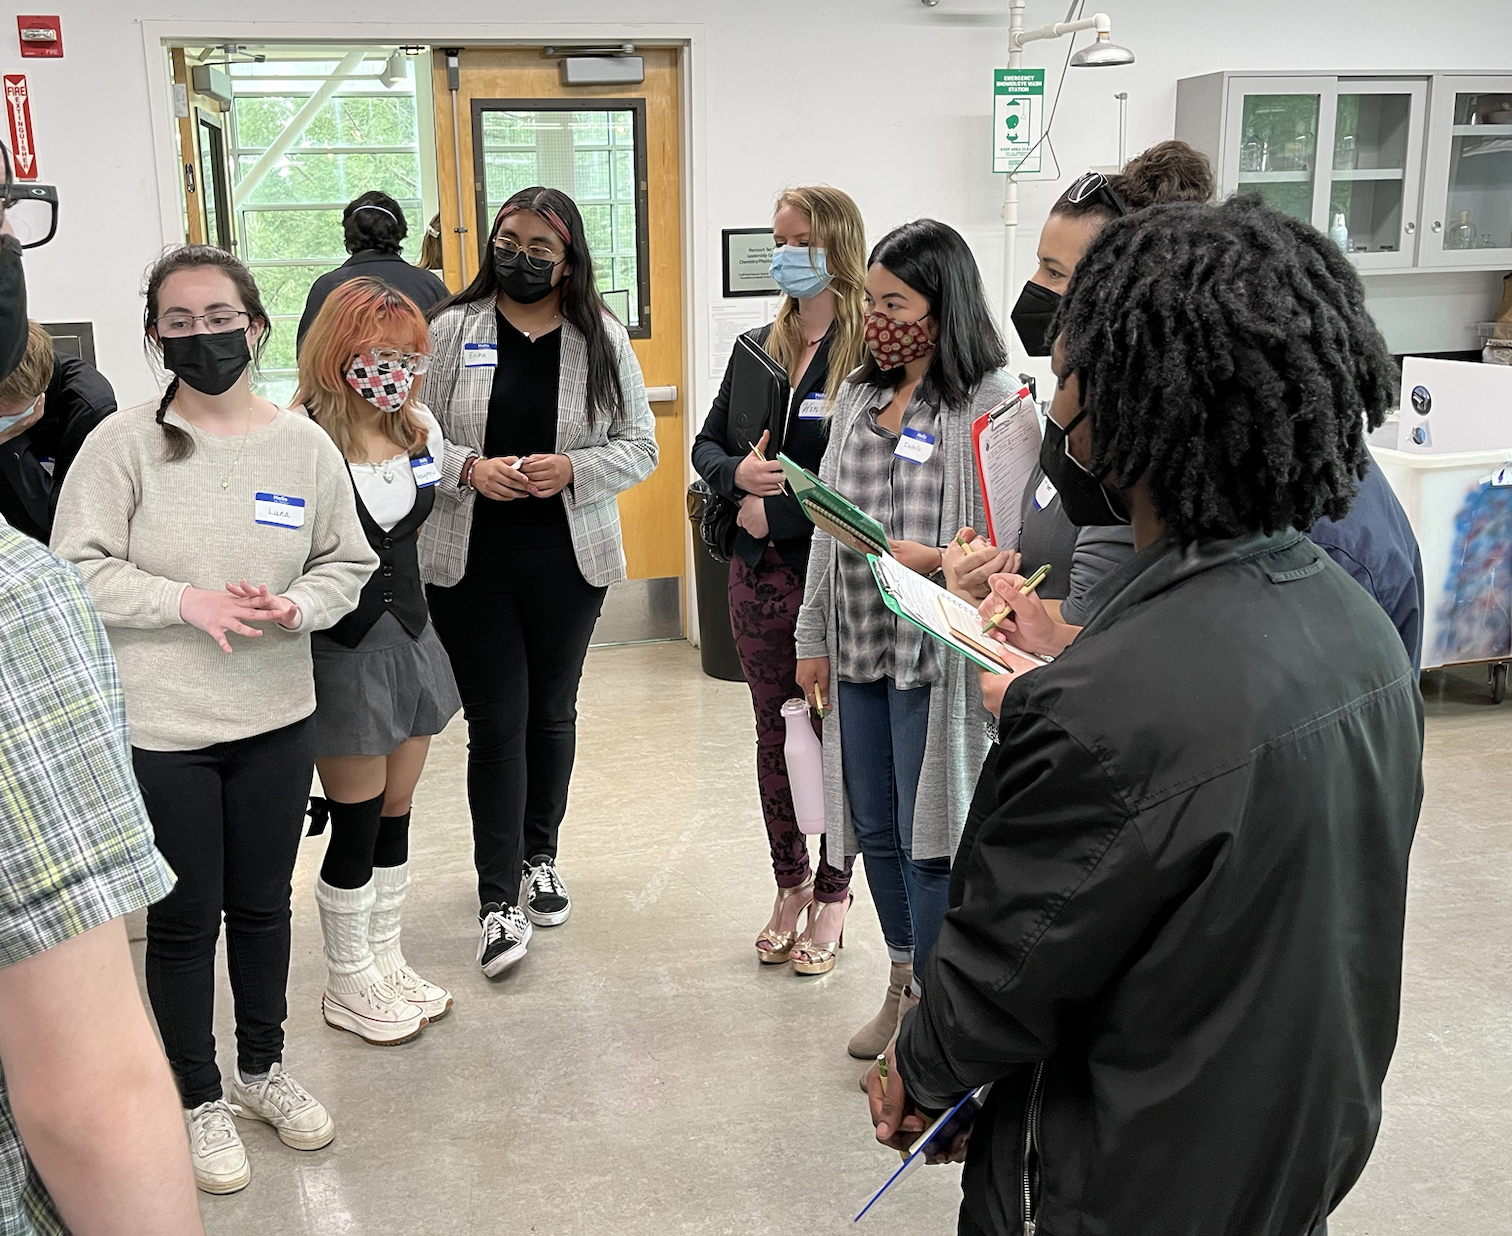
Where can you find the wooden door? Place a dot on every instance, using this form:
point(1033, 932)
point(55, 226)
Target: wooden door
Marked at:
point(497, 82)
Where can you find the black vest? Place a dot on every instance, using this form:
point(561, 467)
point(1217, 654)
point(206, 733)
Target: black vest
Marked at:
point(395, 587)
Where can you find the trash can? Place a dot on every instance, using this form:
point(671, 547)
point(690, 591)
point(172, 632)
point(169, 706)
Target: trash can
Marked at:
point(711, 582)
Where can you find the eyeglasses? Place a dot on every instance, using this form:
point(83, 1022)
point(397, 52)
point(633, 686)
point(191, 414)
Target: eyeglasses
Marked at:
point(1095, 184)
point(539, 256)
point(217, 320)
point(32, 212)
point(416, 362)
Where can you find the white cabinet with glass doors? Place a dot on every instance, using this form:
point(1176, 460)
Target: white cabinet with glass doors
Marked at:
point(1404, 172)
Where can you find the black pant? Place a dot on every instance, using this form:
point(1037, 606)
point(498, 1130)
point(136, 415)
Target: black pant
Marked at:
point(228, 819)
point(517, 629)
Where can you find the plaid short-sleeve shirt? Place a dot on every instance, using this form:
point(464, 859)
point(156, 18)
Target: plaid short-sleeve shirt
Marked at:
point(75, 844)
point(905, 498)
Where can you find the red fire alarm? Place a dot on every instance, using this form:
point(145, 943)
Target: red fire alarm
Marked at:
point(41, 36)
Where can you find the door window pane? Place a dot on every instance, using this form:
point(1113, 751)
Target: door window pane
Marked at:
point(589, 153)
point(1480, 173)
point(1370, 168)
point(1278, 150)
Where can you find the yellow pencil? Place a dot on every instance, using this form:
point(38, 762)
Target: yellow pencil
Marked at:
point(1030, 584)
point(968, 546)
point(818, 702)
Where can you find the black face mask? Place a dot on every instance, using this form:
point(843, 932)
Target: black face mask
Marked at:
point(1031, 317)
point(520, 280)
point(209, 363)
point(1084, 500)
point(12, 306)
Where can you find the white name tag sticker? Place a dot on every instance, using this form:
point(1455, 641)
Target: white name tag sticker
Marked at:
point(480, 355)
point(426, 471)
point(914, 445)
point(812, 408)
point(279, 510)
point(1044, 495)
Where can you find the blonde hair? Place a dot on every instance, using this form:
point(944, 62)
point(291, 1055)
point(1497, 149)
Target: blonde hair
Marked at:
point(359, 314)
point(835, 226)
point(31, 377)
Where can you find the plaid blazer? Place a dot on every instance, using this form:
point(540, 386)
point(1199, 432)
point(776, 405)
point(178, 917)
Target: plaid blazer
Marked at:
point(616, 453)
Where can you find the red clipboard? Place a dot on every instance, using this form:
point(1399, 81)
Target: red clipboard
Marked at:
point(988, 424)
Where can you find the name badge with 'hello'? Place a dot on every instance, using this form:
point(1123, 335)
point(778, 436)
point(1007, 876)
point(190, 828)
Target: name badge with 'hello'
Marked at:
point(480, 356)
point(426, 472)
point(914, 445)
point(278, 510)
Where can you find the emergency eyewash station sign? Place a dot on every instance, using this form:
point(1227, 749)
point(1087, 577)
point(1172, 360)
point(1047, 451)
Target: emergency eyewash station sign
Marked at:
point(1018, 119)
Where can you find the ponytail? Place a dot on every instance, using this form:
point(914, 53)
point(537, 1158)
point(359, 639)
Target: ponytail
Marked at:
point(180, 444)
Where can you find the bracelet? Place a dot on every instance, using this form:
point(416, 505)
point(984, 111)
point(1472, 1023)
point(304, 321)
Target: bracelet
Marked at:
point(464, 479)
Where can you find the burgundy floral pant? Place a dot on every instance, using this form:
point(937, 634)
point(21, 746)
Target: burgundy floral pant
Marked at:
point(764, 604)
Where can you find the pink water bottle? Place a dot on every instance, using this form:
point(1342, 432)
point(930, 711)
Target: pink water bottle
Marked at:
point(805, 765)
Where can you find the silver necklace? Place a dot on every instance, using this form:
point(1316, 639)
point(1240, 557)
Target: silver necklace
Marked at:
point(387, 471)
point(231, 471)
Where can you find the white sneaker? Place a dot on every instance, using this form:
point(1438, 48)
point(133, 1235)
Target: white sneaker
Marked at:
point(378, 1014)
point(279, 1100)
point(428, 997)
point(216, 1150)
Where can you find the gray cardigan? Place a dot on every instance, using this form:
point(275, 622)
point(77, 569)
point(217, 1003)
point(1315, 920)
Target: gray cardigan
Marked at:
point(608, 457)
point(957, 742)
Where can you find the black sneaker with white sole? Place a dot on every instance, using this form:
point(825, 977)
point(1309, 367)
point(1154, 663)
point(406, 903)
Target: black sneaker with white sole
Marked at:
point(542, 893)
point(505, 933)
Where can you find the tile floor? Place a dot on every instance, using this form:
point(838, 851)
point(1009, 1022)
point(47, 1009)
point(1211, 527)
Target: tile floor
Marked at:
point(638, 1074)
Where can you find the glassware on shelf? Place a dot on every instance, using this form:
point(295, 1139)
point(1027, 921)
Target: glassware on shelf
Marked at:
point(1338, 232)
point(1345, 155)
point(1252, 155)
point(1460, 233)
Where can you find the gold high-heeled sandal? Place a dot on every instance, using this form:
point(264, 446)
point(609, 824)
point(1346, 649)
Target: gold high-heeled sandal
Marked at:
point(817, 957)
point(774, 946)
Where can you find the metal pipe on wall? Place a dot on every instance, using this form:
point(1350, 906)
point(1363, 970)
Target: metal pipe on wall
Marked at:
point(453, 83)
point(1010, 189)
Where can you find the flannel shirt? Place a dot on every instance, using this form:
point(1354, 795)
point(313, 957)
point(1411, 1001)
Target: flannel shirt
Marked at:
point(75, 844)
point(905, 498)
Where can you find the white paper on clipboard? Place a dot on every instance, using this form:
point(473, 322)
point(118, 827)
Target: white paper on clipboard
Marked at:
point(1007, 442)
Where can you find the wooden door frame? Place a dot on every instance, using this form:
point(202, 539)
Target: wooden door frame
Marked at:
point(688, 38)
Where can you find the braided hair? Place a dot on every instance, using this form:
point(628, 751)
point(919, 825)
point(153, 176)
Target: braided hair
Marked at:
point(189, 257)
point(1225, 353)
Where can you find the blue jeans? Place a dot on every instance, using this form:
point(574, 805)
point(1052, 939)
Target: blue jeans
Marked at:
point(882, 733)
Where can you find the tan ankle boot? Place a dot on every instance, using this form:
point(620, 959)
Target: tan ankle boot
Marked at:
point(874, 1037)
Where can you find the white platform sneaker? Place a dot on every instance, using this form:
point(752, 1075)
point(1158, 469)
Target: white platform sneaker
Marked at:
point(390, 884)
point(357, 997)
point(216, 1150)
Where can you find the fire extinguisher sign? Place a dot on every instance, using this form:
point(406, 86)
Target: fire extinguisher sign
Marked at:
point(18, 111)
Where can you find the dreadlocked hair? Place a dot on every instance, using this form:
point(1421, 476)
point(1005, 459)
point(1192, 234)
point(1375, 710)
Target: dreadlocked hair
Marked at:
point(1226, 354)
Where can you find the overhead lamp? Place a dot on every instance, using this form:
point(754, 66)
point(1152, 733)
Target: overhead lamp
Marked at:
point(395, 70)
point(1103, 54)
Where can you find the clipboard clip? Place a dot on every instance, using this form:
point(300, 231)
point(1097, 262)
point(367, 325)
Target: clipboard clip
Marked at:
point(1011, 404)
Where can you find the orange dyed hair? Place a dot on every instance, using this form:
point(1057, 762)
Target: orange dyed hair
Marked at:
point(360, 315)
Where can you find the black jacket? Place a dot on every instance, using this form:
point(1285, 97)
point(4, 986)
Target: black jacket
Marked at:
point(33, 464)
point(1181, 888)
point(420, 285)
point(754, 397)
point(394, 588)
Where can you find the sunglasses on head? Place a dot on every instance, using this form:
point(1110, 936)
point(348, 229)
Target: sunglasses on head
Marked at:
point(1095, 184)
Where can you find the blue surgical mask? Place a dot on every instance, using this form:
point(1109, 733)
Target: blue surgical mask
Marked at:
point(7, 421)
point(799, 271)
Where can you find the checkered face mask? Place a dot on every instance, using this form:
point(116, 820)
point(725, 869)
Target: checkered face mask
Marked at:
point(384, 384)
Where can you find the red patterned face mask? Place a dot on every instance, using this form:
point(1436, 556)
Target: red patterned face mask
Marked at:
point(896, 343)
point(385, 384)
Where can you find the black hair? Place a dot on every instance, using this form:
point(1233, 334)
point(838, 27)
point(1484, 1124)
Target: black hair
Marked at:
point(933, 259)
point(1225, 353)
point(189, 257)
point(581, 303)
point(374, 221)
point(1168, 172)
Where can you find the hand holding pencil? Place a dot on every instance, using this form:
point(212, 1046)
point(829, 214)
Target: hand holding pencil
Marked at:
point(1012, 615)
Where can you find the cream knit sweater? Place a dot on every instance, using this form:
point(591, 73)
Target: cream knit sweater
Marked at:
point(142, 530)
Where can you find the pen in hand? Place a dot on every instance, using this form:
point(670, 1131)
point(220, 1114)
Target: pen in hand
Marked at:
point(1030, 584)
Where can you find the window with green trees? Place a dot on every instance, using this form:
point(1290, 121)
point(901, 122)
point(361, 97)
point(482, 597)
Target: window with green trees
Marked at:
point(288, 224)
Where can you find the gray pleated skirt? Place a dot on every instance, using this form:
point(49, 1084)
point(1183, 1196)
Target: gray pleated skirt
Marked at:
point(388, 689)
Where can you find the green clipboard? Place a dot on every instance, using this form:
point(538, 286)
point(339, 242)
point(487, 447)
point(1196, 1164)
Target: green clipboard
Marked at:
point(831, 513)
point(947, 617)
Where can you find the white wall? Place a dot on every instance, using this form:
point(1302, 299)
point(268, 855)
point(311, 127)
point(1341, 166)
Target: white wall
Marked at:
point(885, 98)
